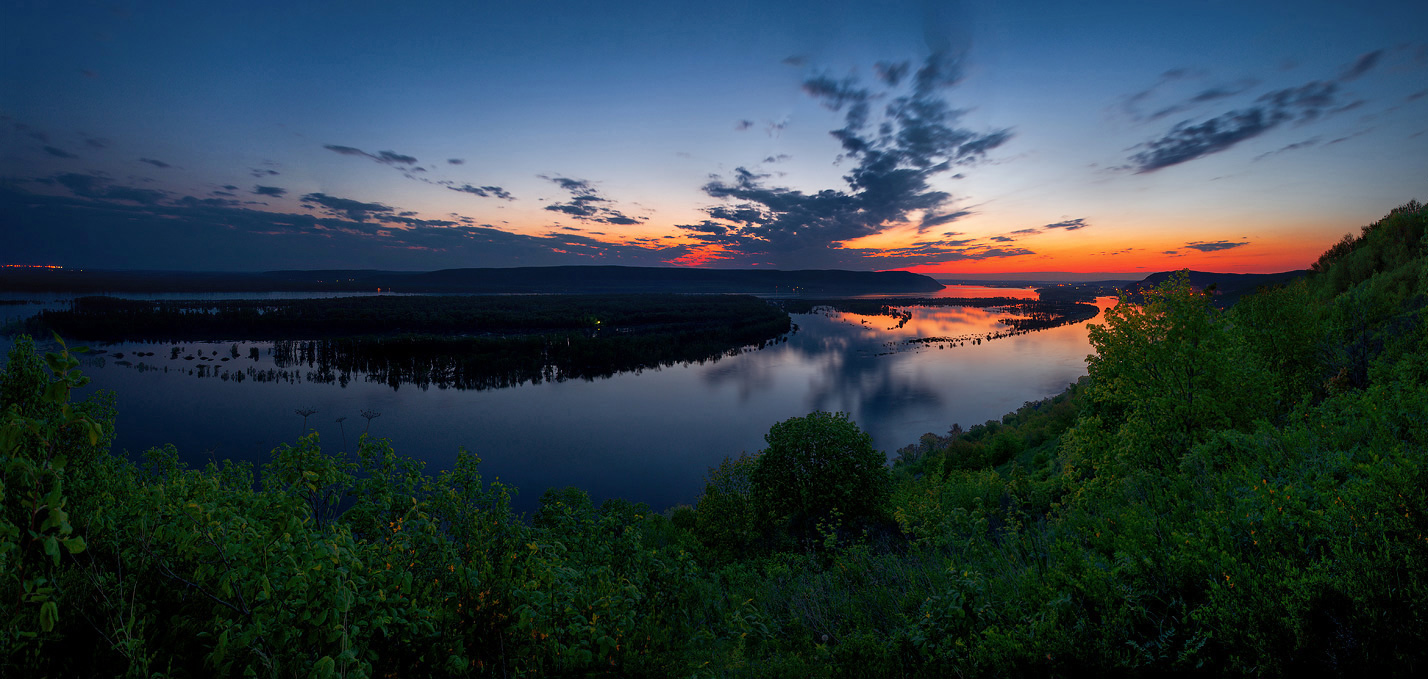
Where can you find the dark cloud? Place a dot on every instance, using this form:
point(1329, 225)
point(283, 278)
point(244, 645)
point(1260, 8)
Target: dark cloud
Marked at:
point(105, 228)
point(162, 164)
point(354, 210)
point(262, 172)
point(273, 191)
point(384, 157)
point(393, 158)
point(99, 188)
point(484, 191)
point(586, 203)
point(796, 60)
point(96, 143)
point(224, 193)
point(1003, 239)
point(58, 152)
point(1069, 225)
point(1306, 103)
point(892, 73)
point(778, 158)
point(346, 150)
point(1025, 232)
point(913, 137)
point(1204, 96)
point(743, 125)
point(1362, 65)
point(1214, 246)
point(230, 187)
point(930, 220)
point(455, 161)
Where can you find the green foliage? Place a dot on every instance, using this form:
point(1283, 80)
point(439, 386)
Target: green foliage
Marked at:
point(817, 468)
point(725, 519)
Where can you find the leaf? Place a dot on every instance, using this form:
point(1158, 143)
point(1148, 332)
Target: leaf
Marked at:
point(324, 667)
point(49, 615)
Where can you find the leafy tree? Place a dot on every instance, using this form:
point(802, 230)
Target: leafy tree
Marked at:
point(816, 467)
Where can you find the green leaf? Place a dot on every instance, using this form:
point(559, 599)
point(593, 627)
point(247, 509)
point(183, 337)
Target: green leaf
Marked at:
point(49, 615)
point(52, 549)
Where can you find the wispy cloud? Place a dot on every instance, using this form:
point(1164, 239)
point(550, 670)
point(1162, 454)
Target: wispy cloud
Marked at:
point(1306, 103)
point(586, 204)
point(1215, 246)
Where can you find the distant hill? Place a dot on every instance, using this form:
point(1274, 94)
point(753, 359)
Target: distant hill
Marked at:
point(557, 279)
point(1227, 287)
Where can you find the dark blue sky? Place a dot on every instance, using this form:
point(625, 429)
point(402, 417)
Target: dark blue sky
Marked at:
point(977, 136)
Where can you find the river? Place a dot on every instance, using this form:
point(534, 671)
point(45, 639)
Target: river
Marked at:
point(646, 436)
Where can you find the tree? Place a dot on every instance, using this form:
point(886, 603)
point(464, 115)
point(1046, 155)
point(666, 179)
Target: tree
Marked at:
point(817, 466)
point(1168, 370)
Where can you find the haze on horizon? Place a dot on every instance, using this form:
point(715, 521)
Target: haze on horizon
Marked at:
point(940, 137)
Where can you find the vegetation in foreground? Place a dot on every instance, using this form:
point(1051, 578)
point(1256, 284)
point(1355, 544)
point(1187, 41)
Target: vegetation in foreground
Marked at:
point(1237, 492)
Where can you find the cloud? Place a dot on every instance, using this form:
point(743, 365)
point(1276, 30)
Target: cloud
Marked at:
point(58, 152)
point(778, 158)
point(105, 228)
point(393, 158)
point(1003, 239)
point(1306, 103)
point(455, 161)
point(1204, 96)
point(484, 191)
point(913, 137)
point(162, 164)
point(1291, 147)
point(346, 150)
point(354, 210)
point(585, 203)
point(273, 191)
point(930, 219)
point(743, 125)
point(1215, 246)
point(96, 143)
point(384, 157)
point(1026, 232)
point(1362, 65)
point(99, 188)
point(1069, 225)
point(262, 172)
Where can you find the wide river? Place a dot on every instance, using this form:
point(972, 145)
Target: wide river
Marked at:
point(646, 436)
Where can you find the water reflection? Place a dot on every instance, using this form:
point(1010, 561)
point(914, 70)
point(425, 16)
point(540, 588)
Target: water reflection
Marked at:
point(647, 436)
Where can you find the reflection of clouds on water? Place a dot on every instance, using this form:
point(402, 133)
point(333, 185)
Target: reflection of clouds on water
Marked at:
point(842, 367)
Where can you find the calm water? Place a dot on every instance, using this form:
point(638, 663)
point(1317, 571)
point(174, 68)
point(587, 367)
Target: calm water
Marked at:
point(647, 436)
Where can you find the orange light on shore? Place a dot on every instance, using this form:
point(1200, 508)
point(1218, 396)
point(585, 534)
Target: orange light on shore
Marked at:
point(31, 266)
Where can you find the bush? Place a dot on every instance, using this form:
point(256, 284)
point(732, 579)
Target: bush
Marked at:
point(817, 468)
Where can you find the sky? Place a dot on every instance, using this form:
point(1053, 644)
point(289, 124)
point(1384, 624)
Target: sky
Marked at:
point(939, 137)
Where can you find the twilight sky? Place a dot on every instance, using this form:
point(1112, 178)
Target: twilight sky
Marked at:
point(935, 136)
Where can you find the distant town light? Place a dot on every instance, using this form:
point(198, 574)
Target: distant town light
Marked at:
point(31, 266)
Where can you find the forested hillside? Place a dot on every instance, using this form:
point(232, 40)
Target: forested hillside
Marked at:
point(1236, 492)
